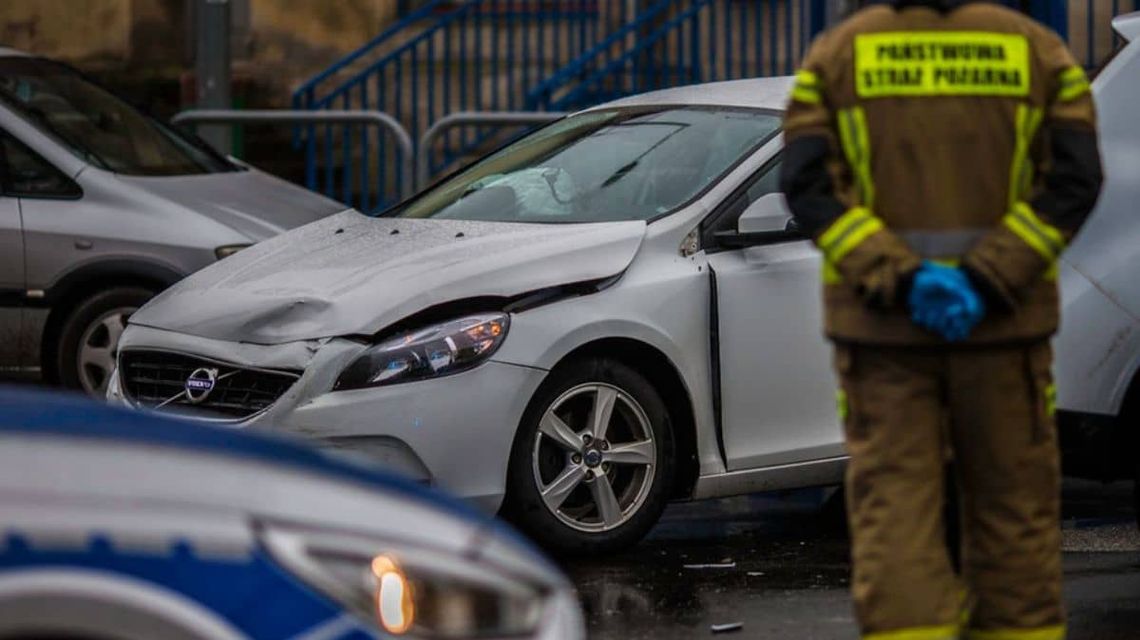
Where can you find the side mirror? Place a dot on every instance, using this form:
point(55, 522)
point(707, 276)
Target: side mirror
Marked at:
point(768, 213)
point(766, 221)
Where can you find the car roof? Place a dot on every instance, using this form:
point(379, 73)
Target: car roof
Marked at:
point(1127, 25)
point(757, 93)
point(26, 412)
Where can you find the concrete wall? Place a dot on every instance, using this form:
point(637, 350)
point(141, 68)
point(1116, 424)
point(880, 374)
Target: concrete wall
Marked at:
point(277, 43)
point(83, 30)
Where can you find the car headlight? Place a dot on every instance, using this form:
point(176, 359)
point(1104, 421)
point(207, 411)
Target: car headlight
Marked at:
point(438, 350)
point(229, 250)
point(412, 592)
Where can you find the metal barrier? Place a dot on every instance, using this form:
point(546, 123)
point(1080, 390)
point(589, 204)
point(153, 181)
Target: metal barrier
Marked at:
point(346, 118)
point(468, 118)
point(676, 42)
point(458, 55)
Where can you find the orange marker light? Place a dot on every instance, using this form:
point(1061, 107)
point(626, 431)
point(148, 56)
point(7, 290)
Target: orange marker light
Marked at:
point(395, 609)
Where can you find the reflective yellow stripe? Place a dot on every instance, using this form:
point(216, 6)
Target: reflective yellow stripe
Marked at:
point(841, 404)
point(940, 63)
point(1073, 91)
point(805, 78)
point(1056, 632)
point(856, 140)
point(1046, 239)
point(1052, 273)
point(1074, 83)
point(843, 225)
point(1051, 400)
point(1021, 172)
point(944, 632)
point(804, 94)
point(806, 88)
point(831, 275)
point(860, 233)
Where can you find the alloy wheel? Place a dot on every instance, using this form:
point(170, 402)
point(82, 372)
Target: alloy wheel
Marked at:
point(594, 457)
point(98, 348)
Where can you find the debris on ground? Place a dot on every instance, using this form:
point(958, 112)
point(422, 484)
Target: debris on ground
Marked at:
point(727, 628)
point(712, 565)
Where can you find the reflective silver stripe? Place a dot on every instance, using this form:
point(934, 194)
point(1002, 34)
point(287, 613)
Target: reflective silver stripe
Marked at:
point(942, 244)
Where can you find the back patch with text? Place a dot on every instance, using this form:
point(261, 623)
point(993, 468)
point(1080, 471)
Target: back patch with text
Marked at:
point(941, 63)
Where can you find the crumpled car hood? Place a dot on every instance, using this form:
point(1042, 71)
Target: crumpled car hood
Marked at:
point(354, 275)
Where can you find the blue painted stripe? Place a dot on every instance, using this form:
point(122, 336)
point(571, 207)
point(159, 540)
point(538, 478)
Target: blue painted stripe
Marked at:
point(253, 594)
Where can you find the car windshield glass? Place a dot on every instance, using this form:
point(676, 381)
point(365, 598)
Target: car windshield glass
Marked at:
point(98, 127)
point(601, 166)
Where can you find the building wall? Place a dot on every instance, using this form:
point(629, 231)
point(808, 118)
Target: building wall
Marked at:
point(96, 30)
point(277, 43)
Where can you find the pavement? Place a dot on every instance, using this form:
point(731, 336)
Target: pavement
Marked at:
point(777, 564)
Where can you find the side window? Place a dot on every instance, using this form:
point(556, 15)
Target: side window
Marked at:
point(26, 175)
point(763, 182)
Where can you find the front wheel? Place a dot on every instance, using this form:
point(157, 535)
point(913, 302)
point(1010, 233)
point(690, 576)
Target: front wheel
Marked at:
point(89, 338)
point(591, 468)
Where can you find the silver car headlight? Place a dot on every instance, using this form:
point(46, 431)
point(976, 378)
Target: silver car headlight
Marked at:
point(408, 591)
point(438, 350)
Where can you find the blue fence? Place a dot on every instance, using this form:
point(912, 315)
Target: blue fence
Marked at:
point(674, 43)
point(557, 55)
point(444, 57)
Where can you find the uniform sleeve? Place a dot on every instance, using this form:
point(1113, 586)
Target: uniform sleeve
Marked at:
point(1042, 221)
point(853, 240)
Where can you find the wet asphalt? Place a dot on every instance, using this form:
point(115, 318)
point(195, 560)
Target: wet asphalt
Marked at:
point(777, 565)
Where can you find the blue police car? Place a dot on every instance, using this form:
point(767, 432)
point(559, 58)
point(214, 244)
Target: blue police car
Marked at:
point(123, 525)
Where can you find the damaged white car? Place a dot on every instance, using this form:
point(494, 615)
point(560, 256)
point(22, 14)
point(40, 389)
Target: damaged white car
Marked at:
point(608, 314)
point(535, 333)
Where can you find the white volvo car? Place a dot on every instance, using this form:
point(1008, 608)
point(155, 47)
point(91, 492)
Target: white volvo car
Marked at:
point(610, 313)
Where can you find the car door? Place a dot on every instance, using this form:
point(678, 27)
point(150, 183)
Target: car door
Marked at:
point(777, 388)
point(12, 280)
point(29, 181)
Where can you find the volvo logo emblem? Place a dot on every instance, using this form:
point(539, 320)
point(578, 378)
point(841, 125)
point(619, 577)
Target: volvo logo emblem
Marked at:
point(199, 385)
point(593, 458)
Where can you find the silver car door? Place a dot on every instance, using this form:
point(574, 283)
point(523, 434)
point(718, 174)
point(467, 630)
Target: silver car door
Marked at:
point(29, 180)
point(777, 388)
point(12, 284)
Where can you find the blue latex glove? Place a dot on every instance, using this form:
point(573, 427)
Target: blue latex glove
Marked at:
point(943, 300)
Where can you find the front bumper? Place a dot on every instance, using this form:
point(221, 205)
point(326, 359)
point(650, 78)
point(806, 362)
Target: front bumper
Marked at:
point(455, 432)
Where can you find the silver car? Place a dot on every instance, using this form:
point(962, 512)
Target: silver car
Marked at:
point(101, 208)
point(608, 314)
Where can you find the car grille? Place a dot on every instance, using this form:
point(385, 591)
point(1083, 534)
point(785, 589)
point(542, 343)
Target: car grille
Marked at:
point(158, 380)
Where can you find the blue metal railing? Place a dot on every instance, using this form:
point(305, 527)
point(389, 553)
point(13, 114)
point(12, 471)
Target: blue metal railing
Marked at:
point(675, 42)
point(446, 56)
point(510, 55)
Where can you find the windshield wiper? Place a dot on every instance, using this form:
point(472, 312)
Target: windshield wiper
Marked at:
point(624, 170)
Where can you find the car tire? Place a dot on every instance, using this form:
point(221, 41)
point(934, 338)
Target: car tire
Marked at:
point(576, 493)
point(89, 336)
point(1136, 493)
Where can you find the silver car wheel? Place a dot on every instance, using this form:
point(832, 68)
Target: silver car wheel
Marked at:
point(594, 457)
point(98, 347)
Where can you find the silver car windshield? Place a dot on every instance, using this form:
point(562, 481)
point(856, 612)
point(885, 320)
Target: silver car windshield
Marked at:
point(98, 127)
point(602, 166)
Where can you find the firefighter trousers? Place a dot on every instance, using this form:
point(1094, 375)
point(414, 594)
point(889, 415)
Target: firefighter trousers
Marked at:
point(907, 412)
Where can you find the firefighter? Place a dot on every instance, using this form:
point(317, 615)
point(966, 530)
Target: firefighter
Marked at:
point(941, 155)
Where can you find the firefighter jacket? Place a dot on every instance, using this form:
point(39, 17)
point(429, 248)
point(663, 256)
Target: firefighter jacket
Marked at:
point(962, 134)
